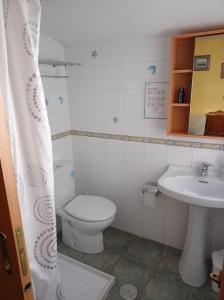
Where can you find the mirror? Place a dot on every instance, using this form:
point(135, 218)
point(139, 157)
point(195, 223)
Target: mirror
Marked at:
point(207, 94)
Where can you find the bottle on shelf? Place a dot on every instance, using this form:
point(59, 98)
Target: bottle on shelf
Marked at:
point(181, 97)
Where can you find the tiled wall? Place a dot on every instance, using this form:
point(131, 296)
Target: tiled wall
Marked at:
point(106, 95)
point(56, 94)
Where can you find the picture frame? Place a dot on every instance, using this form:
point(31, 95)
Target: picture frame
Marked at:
point(202, 62)
point(222, 71)
point(156, 95)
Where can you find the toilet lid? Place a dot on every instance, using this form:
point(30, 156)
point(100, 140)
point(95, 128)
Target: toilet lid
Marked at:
point(91, 208)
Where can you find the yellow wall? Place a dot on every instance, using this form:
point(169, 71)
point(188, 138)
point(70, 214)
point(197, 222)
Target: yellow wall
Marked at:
point(208, 87)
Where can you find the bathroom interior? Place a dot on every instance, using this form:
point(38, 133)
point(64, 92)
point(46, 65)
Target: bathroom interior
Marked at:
point(134, 96)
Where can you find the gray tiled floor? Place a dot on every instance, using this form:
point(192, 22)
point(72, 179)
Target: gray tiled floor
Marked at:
point(152, 267)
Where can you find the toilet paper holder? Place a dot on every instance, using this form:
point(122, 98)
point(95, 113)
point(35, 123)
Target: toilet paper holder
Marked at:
point(151, 188)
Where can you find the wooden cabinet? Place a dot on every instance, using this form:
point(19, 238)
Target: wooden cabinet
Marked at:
point(181, 71)
point(215, 124)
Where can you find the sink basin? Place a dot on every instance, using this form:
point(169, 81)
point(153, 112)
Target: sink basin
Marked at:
point(188, 187)
point(201, 193)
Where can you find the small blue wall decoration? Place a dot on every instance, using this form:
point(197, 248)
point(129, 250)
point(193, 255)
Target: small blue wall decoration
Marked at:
point(152, 69)
point(72, 174)
point(61, 100)
point(94, 53)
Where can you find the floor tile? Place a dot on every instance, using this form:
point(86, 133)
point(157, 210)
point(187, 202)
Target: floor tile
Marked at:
point(129, 272)
point(170, 260)
point(207, 286)
point(152, 267)
point(114, 293)
point(104, 261)
point(166, 287)
point(203, 295)
point(62, 248)
point(116, 240)
point(144, 252)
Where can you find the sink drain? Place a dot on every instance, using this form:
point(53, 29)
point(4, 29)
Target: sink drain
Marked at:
point(128, 291)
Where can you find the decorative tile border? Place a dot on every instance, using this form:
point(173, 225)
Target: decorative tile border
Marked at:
point(140, 139)
point(61, 135)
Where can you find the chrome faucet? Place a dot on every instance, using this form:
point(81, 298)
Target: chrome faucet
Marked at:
point(204, 169)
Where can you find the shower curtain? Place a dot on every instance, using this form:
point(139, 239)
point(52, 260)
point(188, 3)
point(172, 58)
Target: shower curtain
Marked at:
point(29, 131)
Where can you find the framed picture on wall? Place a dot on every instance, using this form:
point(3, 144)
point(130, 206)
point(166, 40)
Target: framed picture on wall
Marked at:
point(222, 71)
point(156, 94)
point(202, 62)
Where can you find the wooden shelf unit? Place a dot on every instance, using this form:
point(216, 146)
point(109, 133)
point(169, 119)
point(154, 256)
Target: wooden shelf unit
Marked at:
point(186, 105)
point(181, 72)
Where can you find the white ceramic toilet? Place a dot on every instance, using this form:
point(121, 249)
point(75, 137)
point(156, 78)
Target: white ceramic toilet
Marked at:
point(85, 217)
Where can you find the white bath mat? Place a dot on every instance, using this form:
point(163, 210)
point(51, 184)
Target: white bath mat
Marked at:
point(82, 282)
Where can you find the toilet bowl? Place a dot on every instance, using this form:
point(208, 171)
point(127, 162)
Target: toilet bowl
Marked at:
point(83, 221)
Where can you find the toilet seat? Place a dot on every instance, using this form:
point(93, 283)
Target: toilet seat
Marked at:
point(91, 208)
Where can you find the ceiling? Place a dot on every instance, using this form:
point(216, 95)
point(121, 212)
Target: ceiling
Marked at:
point(69, 21)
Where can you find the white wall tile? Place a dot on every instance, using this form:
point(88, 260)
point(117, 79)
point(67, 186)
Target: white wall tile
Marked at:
point(216, 158)
point(133, 226)
point(155, 128)
point(87, 100)
point(59, 121)
point(134, 172)
point(179, 155)
point(79, 146)
point(115, 168)
point(77, 100)
point(158, 48)
point(134, 101)
point(116, 125)
point(113, 77)
point(134, 50)
point(57, 100)
point(86, 78)
point(87, 121)
point(156, 154)
point(94, 100)
point(82, 53)
point(161, 74)
point(134, 125)
point(175, 222)
point(119, 222)
point(153, 220)
point(62, 148)
point(54, 84)
point(133, 200)
point(115, 149)
point(96, 185)
point(134, 75)
point(95, 148)
point(134, 152)
point(81, 167)
point(56, 96)
point(112, 52)
point(113, 101)
point(153, 173)
point(112, 85)
point(115, 192)
point(96, 167)
point(217, 241)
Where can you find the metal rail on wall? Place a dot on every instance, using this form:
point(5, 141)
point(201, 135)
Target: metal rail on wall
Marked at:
point(57, 63)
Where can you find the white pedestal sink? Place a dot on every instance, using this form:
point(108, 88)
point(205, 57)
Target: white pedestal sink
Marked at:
point(201, 193)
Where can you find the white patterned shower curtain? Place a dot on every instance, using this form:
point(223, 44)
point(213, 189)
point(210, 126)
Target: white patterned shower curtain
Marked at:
point(22, 92)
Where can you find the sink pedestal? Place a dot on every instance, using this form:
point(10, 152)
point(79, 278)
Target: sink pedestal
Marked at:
point(193, 263)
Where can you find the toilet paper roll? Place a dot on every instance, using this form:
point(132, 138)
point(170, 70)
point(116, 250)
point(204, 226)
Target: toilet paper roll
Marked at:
point(150, 198)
